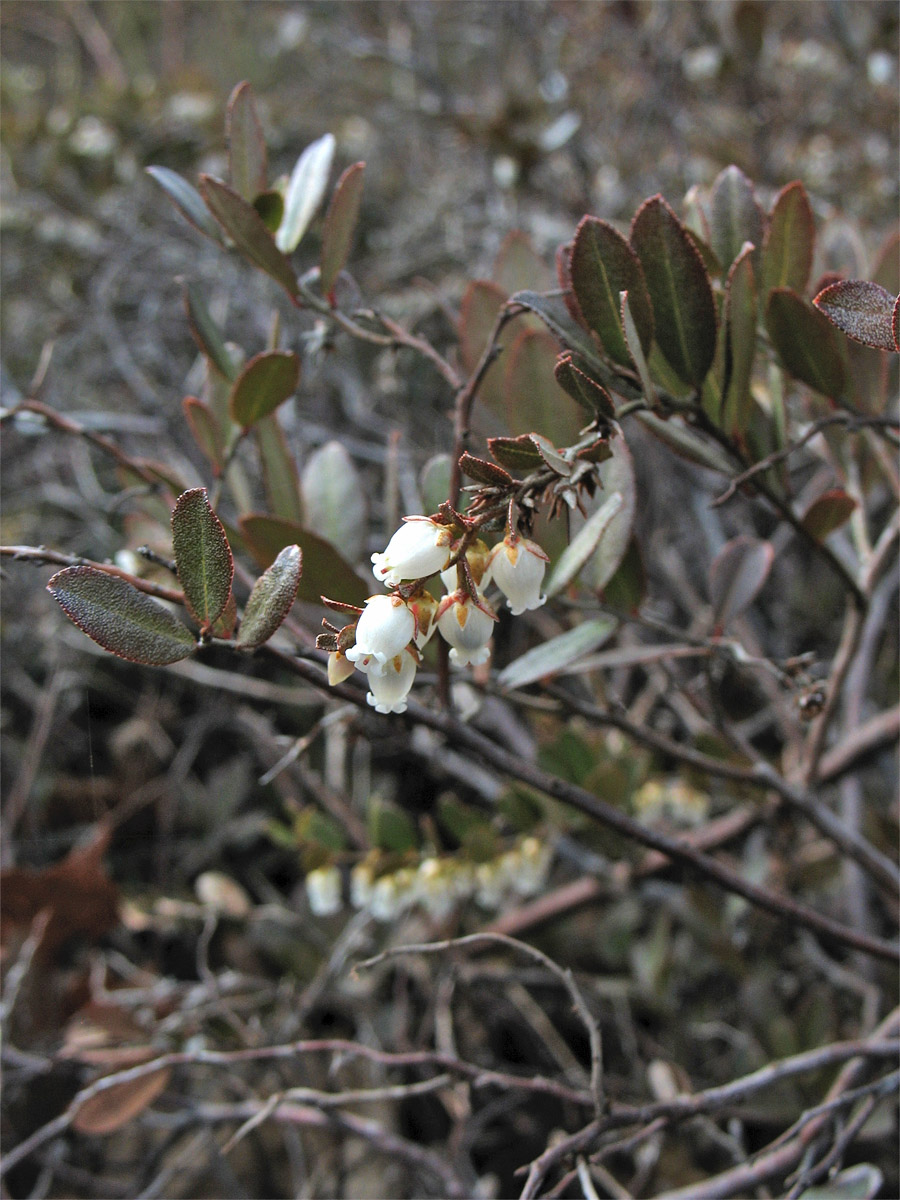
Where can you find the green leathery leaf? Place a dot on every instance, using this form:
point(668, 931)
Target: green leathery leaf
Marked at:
point(279, 470)
point(390, 828)
point(806, 341)
point(555, 656)
point(636, 350)
point(534, 399)
point(552, 310)
point(340, 226)
point(305, 192)
point(119, 618)
point(202, 556)
point(678, 437)
point(684, 310)
point(325, 571)
point(206, 333)
point(827, 513)
point(248, 231)
point(206, 430)
point(517, 454)
point(187, 200)
point(247, 160)
point(862, 310)
point(223, 626)
point(584, 544)
point(616, 477)
point(627, 587)
point(582, 388)
point(789, 242)
point(264, 383)
point(736, 216)
point(740, 333)
point(518, 264)
point(334, 499)
point(271, 598)
point(269, 207)
point(603, 265)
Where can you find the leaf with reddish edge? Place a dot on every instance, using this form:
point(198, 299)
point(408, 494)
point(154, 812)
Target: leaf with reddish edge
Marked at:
point(551, 456)
point(633, 342)
point(895, 324)
point(340, 226)
point(305, 192)
point(736, 576)
point(807, 342)
point(248, 231)
point(736, 216)
point(534, 399)
point(111, 1109)
point(206, 431)
point(586, 391)
point(223, 626)
point(684, 310)
point(789, 242)
point(603, 265)
point(247, 161)
point(265, 382)
point(187, 200)
point(280, 479)
point(552, 310)
point(334, 499)
point(484, 471)
point(862, 310)
point(564, 277)
point(827, 513)
point(324, 569)
point(740, 333)
point(518, 264)
point(119, 618)
point(206, 333)
point(202, 556)
point(518, 453)
point(271, 599)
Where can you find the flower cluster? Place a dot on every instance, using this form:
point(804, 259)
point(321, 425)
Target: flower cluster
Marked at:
point(392, 629)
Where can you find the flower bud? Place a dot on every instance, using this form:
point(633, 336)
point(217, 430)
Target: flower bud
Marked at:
point(339, 667)
point(385, 628)
point(323, 890)
point(517, 567)
point(418, 549)
point(389, 682)
point(466, 627)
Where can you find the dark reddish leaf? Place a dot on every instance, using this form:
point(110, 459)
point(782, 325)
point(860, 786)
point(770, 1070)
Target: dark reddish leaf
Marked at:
point(683, 307)
point(533, 398)
point(789, 241)
point(280, 479)
point(266, 381)
point(895, 324)
point(202, 555)
point(740, 345)
point(736, 577)
point(552, 310)
point(206, 333)
point(116, 1105)
point(736, 216)
point(806, 341)
point(484, 471)
point(586, 391)
point(518, 453)
point(271, 599)
point(518, 264)
point(827, 513)
point(246, 144)
point(603, 265)
point(324, 569)
point(206, 430)
point(247, 230)
point(119, 618)
point(564, 277)
point(340, 225)
point(862, 310)
point(187, 200)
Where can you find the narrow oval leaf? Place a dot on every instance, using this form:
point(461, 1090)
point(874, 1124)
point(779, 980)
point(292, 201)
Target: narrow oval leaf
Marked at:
point(517, 454)
point(633, 342)
point(334, 499)
point(202, 556)
point(271, 599)
point(827, 513)
point(206, 430)
point(223, 626)
point(789, 242)
point(550, 455)
point(627, 587)
point(111, 1109)
point(602, 266)
point(246, 144)
point(533, 398)
point(564, 278)
point(740, 342)
point(518, 264)
point(687, 444)
point(485, 472)
point(551, 308)
point(247, 230)
point(616, 477)
point(340, 226)
point(583, 545)
point(119, 618)
point(557, 655)
point(478, 312)
point(584, 390)
point(736, 576)
point(187, 200)
point(735, 216)
point(806, 341)
point(434, 482)
point(206, 333)
point(269, 207)
point(280, 478)
point(266, 381)
point(305, 192)
point(325, 571)
point(683, 307)
point(862, 310)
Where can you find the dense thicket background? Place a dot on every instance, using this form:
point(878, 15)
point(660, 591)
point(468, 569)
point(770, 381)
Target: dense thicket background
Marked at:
point(474, 120)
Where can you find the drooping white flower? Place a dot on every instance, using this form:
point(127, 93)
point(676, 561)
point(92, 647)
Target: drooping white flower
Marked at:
point(389, 682)
point(517, 567)
point(323, 890)
point(385, 628)
point(466, 627)
point(418, 549)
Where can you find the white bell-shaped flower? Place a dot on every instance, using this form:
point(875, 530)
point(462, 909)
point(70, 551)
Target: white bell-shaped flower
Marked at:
point(418, 549)
point(386, 626)
point(323, 891)
point(517, 567)
point(466, 627)
point(389, 682)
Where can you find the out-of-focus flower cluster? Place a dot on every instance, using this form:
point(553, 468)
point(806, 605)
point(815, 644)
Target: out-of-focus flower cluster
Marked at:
point(392, 629)
point(437, 885)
